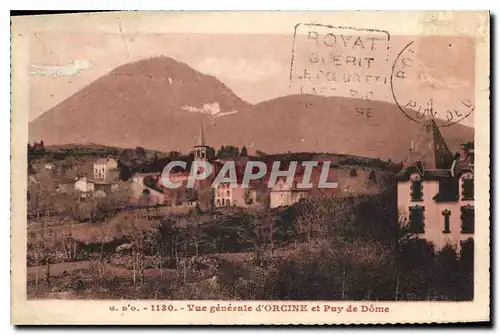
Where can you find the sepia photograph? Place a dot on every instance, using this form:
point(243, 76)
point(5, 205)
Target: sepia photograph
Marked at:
point(318, 162)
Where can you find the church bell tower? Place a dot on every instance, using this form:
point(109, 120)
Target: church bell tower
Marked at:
point(200, 149)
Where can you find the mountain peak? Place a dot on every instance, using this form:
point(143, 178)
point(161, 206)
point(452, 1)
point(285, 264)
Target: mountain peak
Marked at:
point(158, 66)
point(158, 103)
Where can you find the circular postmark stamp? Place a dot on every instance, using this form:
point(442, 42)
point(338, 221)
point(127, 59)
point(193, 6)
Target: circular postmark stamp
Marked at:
point(425, 85)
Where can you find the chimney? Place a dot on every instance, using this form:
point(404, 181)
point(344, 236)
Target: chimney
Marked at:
point(467, 148)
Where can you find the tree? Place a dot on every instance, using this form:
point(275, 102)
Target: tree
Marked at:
point(126, 164)
point(191, 194)
point(210, 153)
point(314, 215)
point(446, 276)
point(140, 152)
point(140, 156)
point(260, 153)
point(415, 266)
point(253, 230)
point(193, 219)
point(228, 151)
point(466, 264)
point(221, 152)
point(244, 152)
point(145, 238)
point(125, 170)
point(145, 197)
point(126, 156)
point(118, 198)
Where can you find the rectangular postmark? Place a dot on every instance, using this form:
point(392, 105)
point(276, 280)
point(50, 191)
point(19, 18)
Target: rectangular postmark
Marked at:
point(250, 168)
point(338, 60)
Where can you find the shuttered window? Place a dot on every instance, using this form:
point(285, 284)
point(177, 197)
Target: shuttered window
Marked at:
point(416, 190)
point(467, 219)
point(468, 189)
point(417, 219)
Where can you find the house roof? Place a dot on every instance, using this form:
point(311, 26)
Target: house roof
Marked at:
point(91, 181)
point(99, 182)
point(281, 181)
point(103, 160)
point(430, 149)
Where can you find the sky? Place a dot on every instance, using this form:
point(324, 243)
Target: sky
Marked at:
point(258, 67)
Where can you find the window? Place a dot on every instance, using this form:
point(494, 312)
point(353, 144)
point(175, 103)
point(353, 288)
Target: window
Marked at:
point(448, 190)
point(467, 219)
point(446, 214)
point(416, 190)
point(228, 193)
point(417, 219)
point(468, 189)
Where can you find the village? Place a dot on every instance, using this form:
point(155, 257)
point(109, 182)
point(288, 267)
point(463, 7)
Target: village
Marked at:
point(118, 212)
point(148, 188)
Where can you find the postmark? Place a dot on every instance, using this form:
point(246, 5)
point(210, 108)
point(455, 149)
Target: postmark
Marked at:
point(342, 61)
point(444, 98)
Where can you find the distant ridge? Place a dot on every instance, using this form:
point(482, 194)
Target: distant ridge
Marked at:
point(157, 103)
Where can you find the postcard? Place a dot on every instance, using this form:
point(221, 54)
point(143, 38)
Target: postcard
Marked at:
point(250, 168)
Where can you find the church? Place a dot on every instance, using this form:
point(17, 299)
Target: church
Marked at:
point(178, 174)
point(200, 149)
point(436, 189)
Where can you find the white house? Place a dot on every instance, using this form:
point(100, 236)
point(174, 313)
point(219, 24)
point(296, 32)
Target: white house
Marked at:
point(225, 195)
point(282, 194)
point(84, 185)
point(436, 189)
point(103, 168)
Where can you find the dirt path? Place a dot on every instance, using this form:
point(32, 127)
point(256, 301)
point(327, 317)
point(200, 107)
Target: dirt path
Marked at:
point(59, 269)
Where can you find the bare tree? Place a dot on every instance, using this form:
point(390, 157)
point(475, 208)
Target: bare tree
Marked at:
point(193, 222)
point(144, 238)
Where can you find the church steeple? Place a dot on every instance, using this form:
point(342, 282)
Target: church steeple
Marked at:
point(201, 138)
point(200, 149)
